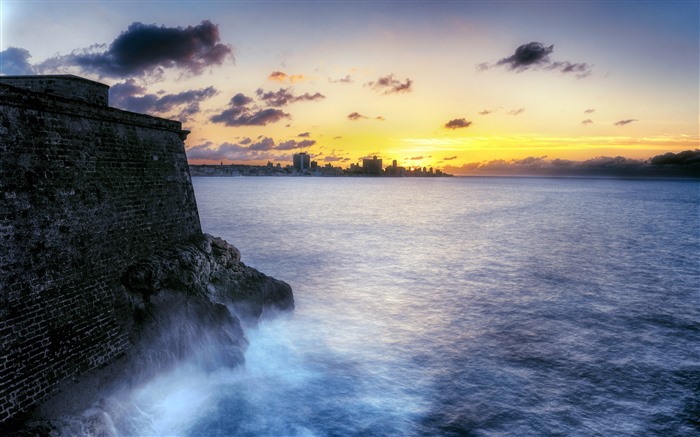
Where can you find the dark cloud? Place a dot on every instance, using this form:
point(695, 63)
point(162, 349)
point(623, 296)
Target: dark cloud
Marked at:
point(416, 158)
point(380, 118)
point(131, 96)
point(304, 135)
point(688, 158)
point(246, 141)
point(449, 158)
point(283, 97)
point(244, 116)
point(145, 49)
point(356, 116)
point(293, 144)
point(589, 111)
point(390, 85)
point(457, 123)
point(240, 99)
point(516, 111)
point(535, 55)
point(528, 55)
point(587, 121)
point(624, 122)
point(242, 112)
point(683, 164)
point(15, 61)
point(262, 145)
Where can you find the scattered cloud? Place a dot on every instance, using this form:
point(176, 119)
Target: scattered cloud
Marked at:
point(528, 55)
point(264, 144)
point(485, 112)
point(334, 158)
point(293, 144)
point(416, 158)
point(241, 116)
point(242, 113)
point(245, 141)
point(131, 96)
point(147, 50)
point(380, 118)
point(15, 61)
point(345, 80)
point(279, 76)
point(356, 116)
point(304, 135)
point(587, 121)
point(450, 158)
point(226, 152)
point(284, 96)
point(535, 55)
point(589, 111)
point(516, 111)
point(624, 122)
point(390, 85)
point(241, 99)
point(457, 123)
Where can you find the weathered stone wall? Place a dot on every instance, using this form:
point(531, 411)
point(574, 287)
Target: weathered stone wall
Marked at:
point(85, 191)
point(69, 86)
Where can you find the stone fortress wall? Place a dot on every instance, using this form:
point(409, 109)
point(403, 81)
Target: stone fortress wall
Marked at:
point(85, 191)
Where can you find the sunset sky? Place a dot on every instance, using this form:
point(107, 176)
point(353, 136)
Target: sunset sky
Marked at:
point(439, 83)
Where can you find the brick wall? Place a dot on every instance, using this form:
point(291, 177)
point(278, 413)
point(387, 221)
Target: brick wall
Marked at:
point(85, 191)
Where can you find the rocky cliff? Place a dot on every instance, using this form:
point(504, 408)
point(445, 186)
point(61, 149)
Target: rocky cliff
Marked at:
point(104, 269)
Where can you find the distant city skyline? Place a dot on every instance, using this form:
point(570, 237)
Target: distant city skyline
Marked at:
point(446, 84)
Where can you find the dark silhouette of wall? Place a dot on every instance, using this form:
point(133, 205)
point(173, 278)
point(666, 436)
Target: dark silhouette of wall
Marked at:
point(85, 191)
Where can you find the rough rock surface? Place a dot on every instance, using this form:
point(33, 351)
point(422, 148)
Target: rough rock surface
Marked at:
point(188, 303)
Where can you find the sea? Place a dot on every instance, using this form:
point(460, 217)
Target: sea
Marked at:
point(459, 306)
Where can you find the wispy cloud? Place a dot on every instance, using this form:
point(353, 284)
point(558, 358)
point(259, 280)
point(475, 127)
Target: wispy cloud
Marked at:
point(587, 121)
point(284, 97)
point(280, 76)
point(356, 116)
point(131, 96)
point(625, 122)
point(344, 80)
point(516, 111)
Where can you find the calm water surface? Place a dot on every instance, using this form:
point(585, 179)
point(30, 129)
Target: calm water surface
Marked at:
point(459, 307)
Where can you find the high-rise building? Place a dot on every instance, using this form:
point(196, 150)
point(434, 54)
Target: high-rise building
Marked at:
point(302, 161)
point(372, 166)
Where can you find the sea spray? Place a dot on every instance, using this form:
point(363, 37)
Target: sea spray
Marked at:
point(187, 336)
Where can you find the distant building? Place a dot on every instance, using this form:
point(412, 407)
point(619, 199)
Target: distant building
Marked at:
point(372, 166)
point(302, 161)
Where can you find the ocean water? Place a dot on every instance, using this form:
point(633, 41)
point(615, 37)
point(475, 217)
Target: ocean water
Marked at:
point(456, 307)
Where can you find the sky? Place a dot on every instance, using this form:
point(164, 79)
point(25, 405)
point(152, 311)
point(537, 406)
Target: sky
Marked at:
point(444, 84)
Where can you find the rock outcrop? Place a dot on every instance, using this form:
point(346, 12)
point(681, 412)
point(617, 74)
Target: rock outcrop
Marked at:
point(190, 305)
